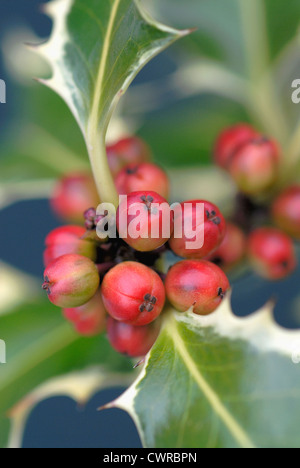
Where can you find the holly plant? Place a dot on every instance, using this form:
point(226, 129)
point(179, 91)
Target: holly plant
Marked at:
point(115, 299)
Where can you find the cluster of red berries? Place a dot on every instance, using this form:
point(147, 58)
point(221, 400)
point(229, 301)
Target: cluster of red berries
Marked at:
point(115, 283)
point(254, 162)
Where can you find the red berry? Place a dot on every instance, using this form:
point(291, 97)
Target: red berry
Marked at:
point(130, 340)
point(232, 249)
point(89, 319)
point(127, 151)
point(133, 293)
point(144, 221)
point(71, 280)
point(230, 140)
point(145, 176)
point(213, 226)
point(271, 253)
point(195, 284)
point(255, 165)
point(66, 240)
point(74, 194)
point(286, 211)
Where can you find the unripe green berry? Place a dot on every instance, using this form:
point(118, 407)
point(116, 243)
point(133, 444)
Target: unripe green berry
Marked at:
point(71, 281)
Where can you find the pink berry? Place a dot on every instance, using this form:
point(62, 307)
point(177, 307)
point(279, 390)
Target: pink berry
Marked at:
point(74, 194)
point(230, 141)
point(232, 250)
point(89, 319)
point(286, 211)
point(271, 253)
point(71, 280)
point(149, 225)
point(66, 240)
point(144, 176)
point(131, 150)
point(255, 166)
point(195, 284)
point(213, 226)
point(133, 293)
point(130, 340)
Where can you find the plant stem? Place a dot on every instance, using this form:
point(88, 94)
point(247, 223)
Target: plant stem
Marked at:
point(102, 174)
point(293, 150)
point(262, 99)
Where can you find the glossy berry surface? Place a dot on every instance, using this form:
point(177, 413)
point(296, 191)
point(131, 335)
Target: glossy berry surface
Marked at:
point(230, 140)
point(133, 293)
point(89, 319)
point(195, 284)
point(71, 280)
point(130, 340)
point(141, 221)
point(145, 176)
point(255, 166)
point(67, 240)
point(213, 226)
point(131, 150)
point(271, 253)
point(286, 211)
point(74, 194)
point(232, 250)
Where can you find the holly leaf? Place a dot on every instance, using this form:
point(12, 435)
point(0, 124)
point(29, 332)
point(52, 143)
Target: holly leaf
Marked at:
point(41, 345)
point(95, 51)
point(218, 381)
point(80, 386)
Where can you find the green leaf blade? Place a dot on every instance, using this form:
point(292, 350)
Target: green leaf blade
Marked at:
point(95, 51)
point(218, 381)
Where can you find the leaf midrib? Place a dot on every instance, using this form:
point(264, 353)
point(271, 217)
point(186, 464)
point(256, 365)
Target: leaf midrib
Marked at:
point(222, 412)
point(102, 67)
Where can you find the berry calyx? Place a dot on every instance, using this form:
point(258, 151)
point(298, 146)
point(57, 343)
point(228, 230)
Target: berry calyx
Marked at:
point(213, 226)
point(74, 194)
point(271, 253)
point(200, 285)
point(286, 211)
point(71, 280)
point(145, 176)
point(144, 221)
point(130, 340)
point(232, 249)
point(133, 293)
point(89, 319)
point(67, 240)
point(131, 150)
point(230, 140)
point(254, 166)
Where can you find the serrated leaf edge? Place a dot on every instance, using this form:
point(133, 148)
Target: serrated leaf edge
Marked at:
point(260, 329)
point(80, 386)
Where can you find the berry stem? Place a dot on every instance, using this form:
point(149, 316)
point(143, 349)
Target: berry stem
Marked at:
point(101, 171)
point(293, 151)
